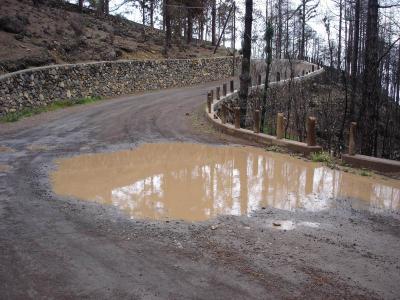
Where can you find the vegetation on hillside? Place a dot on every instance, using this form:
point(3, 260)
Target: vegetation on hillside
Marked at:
point(36, 33)
point(361, 52)
point(360, 47)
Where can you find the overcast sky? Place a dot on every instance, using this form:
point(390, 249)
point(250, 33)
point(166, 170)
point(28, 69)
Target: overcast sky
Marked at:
point(316, 23)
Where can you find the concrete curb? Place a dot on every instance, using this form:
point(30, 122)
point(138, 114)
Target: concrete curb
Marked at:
point(260, 138)
point(373, 163)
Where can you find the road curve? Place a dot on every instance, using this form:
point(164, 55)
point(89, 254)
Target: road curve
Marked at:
point(52, 247)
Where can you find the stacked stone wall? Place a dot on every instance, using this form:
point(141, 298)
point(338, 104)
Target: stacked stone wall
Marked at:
point(44, 85)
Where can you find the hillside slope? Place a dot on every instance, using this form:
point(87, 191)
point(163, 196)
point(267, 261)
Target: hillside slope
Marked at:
point(57, 33)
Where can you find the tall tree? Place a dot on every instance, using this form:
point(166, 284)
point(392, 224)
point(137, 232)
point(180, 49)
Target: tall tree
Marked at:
point(307, 12)
point(80, 5)
point(369, 106)
point(152, 4)
point(189, 27)
point(269, 32)
point(279, 29)
point(339, 53)
point(354, 58)
point(213, 22)
point(168, 31)
point(245, 78)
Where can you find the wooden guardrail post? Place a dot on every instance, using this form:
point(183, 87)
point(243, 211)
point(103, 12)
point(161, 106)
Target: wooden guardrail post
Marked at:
point(279, 126)
point(212, 95)
point(259, 79)
point(224, 113)
point(237, 117)
point(257, 120)
point(313, 68)
point(278, 76)
point(218, 92)
point(352, 138)
point(209, 102)
point(303, 72)
point(311, 135)
point(232, 86)
point(224, 89)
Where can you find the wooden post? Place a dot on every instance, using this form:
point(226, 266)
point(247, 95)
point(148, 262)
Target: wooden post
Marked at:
point(257, 115)
point(212, 95)
point(237, 117)
point(224, 112)
point(209, 102)
point(311, 135)
point(352, 138)
point(313, 68)
point(224, 89)
point(232, 86)
point(278, 76)
point(259, 79)
point(279, 126)
point(218, 92)
point(303, 72)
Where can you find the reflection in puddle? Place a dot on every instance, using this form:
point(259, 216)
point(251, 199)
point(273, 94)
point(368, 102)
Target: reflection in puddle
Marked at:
point(4, 168)
point(6, 149)
point(283, 225)
point(196, 182)
point(38, 148)
point(290, 225)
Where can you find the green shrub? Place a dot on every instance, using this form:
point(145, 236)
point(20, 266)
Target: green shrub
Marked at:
point(325, 158)
point(274, 148)
point(365, 172)
point(27, 112)
point(321, 157)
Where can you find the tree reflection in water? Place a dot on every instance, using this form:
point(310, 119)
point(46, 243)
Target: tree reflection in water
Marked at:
point(195, 182)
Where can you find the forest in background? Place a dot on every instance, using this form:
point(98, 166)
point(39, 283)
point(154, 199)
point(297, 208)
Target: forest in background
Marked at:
point(359, 48)
point(357, 42)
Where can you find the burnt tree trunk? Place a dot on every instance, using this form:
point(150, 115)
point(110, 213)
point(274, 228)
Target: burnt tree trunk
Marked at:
point(106, 7)
point(189, 32)
point(339, 59)
point(168, 33)
point(213, 21)
point(152, 13)
point(398, 79)
point(354, 60)
point(369, 114)
point(100, 8)
point(269, 33)
point(279, 31)
point(245, 78)
point(303, 29)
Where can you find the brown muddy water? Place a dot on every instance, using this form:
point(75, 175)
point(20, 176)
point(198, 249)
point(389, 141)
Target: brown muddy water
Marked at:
point(195, 182)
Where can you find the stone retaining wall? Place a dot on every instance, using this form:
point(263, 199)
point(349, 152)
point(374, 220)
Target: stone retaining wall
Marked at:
point(41, 86)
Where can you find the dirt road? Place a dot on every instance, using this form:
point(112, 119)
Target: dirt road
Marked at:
point(59, 248)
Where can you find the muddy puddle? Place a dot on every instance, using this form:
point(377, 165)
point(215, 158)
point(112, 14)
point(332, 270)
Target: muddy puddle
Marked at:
point(196, 182)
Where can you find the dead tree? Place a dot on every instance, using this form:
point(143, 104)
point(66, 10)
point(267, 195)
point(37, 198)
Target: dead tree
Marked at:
point(245, 79)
